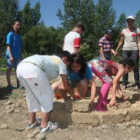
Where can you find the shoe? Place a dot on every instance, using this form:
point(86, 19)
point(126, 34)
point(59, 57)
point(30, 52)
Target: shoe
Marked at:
point(36, 124)
point(20, 87)
point(11, 87)
point(136, 87)
point(50, 127)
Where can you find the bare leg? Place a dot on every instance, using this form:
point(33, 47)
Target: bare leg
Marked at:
point(44, 119)
point(32, 117)
point(82, 87)
point(8, 73)
point(59, 90)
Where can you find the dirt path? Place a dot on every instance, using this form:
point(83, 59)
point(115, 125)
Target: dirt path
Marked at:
point(14, 117)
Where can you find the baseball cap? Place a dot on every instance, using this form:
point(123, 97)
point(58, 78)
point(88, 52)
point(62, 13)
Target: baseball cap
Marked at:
point(109, 31)
point(131, 17)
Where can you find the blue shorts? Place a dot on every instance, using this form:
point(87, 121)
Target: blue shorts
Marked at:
point(12, 64)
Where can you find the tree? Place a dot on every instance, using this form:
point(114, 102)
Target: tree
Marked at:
point(137, 20)
point(29, 16)
point(9, 13)
point(121, 23)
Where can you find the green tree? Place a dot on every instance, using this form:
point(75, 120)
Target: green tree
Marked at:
point(8, 13)
point(29, 16)
point(137, 20)
point(42, 38)
point(121, 23)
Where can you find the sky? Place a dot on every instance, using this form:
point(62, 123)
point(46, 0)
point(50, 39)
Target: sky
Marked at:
point(49, 9)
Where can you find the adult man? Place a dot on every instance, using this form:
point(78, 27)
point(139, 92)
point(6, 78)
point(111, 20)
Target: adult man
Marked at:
point(72, 40)
point(106, 45)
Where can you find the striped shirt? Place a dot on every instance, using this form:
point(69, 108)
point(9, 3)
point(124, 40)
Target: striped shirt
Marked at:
point(106, 43)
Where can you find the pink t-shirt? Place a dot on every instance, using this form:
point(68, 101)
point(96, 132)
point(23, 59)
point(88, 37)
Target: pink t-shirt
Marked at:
point(72, 40)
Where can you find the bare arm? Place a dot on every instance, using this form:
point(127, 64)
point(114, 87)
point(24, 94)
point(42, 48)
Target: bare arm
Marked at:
point(67, 86)
point(9, 51)
point(93, 93)
point(114, 53)
point(102, 53)
point(121, 42)
point(115, 85)
point(76, 50)
point(138, 38)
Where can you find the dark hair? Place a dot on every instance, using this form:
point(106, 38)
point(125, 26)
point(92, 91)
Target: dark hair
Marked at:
point(79, 58)
point(80, 25)
point(68, 55)
point(14, 24)
point(128, 62)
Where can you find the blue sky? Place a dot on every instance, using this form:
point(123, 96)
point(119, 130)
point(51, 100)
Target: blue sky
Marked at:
point(49, 9)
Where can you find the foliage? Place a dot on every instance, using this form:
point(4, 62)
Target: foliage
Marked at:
point(96, 18)
point(41, 37)
point(8, 13)
point(87, 51)
point(137, 19)
point(29, 16)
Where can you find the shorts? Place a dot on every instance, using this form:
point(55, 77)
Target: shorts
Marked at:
point(39, 95)
point(12, 64)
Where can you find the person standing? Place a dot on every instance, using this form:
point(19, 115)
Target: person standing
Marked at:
point(72, 40)
point(130, 40)
point(13, 51)
point(106, 45)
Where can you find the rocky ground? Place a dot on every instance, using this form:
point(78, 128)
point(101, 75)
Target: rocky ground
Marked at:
point(14, 117)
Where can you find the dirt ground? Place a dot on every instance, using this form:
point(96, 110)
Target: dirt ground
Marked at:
point(14, 117)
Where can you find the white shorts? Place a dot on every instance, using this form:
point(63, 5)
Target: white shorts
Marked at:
point(39, 94)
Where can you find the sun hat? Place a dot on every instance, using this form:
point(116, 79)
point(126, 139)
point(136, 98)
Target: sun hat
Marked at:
point(131, 17)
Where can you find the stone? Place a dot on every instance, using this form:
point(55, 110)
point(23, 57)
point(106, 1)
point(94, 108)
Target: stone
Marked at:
point(19, 129)
point(7, 107)
point(8, 103)
point(17, 110)
point(4, 126)
point(18, 104)
point(35, 132)
point(30, 136)
point(10, 110)
point(40, 136)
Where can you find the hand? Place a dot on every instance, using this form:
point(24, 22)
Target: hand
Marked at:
point(90, 106)
point(11, 59)
point(116, 53)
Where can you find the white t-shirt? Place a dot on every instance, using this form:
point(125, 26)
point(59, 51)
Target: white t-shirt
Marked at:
point(72, 40)
point(130, 39)
point(52, 65)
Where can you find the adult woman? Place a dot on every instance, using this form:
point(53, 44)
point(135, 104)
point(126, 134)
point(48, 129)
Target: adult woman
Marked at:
point(104, 69)
point(131, 48)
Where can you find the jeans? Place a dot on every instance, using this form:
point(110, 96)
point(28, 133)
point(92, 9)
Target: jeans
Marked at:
point(134, 55)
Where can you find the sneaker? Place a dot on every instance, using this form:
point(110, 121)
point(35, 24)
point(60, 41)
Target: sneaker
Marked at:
point(10, 87)
point(50, 127)
point(20, 87)
point(36, 124)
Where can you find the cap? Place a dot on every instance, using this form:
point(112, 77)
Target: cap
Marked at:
point(131, 17)
point(109, 31)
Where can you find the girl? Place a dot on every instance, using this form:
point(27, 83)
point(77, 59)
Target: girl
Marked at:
point(80, 76)
point(104, 69)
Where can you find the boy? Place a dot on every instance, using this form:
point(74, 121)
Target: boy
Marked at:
point(34, 74)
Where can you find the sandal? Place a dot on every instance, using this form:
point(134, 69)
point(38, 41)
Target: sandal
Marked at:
point(124, 87)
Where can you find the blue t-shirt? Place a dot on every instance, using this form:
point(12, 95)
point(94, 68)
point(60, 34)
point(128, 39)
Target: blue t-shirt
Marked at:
point(15, 42)
point(75, 77)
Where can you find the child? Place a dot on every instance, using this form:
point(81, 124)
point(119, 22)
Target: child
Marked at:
point(79, 75)
point(106, 45)
point(104, 69)
point(13, 52)
point(34, 74)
